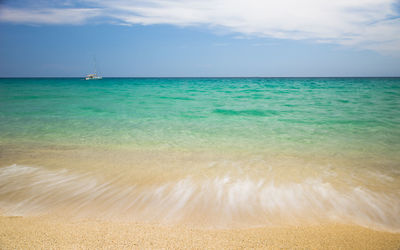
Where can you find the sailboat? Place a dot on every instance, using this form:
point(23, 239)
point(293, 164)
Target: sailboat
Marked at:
point(93, 76)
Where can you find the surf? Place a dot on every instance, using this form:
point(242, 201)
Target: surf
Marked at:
point(219, 202)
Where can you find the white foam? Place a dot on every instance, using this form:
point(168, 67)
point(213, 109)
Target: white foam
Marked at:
point(219, 202)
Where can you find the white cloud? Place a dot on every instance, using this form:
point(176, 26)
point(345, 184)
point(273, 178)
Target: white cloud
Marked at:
point(369, 24)
point(48, 16)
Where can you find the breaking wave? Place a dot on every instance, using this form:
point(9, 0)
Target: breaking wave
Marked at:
point(221, 202)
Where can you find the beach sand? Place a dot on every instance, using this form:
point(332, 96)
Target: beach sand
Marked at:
point(51, 232)
point(60, 233)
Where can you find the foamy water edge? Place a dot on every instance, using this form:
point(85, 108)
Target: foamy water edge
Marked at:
point(221, 202)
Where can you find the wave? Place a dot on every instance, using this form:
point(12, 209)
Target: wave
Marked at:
point(221, 202)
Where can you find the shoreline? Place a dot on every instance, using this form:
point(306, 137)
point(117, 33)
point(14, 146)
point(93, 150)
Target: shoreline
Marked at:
point(18, 232)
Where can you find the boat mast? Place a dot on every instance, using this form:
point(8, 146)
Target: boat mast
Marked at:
point(95, 65)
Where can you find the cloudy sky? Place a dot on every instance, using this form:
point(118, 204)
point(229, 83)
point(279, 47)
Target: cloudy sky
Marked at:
point(200, 37)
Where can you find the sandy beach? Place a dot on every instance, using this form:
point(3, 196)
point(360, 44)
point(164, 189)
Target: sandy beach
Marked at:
point(81, 231)
point(58, 233)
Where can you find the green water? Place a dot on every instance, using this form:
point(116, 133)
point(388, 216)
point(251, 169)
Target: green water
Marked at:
point(226, 152)
point(335, 114)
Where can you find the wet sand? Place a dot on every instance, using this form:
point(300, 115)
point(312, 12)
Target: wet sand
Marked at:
point(58, 233)
point(52, 232)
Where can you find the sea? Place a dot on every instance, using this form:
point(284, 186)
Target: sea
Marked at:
point(203, 152)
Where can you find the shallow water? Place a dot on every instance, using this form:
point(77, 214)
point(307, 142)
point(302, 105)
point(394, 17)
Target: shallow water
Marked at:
point(204, 152)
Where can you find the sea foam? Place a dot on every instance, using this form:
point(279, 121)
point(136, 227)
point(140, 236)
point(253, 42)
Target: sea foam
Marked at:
point(220, 202)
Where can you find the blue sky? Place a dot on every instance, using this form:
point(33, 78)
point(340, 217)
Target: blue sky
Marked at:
point(200, 38)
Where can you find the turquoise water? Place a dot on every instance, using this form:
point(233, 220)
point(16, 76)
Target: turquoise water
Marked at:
point(337, 114)
point(230, 152)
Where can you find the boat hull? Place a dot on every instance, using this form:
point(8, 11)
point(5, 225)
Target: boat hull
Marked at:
point(94, 78)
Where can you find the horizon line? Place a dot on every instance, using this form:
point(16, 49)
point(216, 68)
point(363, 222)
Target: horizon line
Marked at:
point(155, 77)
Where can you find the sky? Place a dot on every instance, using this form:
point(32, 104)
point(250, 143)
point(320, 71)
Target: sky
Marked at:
point(200, 38)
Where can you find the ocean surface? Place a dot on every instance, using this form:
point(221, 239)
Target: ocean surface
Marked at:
point(204, 152)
